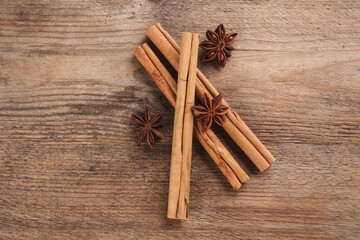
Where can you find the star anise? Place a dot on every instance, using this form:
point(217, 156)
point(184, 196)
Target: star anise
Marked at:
point(218, 45)
point(210, 111)
point(147, 127)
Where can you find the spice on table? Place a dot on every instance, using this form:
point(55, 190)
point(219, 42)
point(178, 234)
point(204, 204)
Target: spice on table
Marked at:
point(218, 45)
point(232, 122)
point(179, 185)
point(148, 126)
point(211, 143)
point(210, 111)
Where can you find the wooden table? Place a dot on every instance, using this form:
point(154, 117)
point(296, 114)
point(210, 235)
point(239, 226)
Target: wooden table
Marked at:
point(69, 166)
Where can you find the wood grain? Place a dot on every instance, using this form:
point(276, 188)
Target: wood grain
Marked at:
point(68, 82)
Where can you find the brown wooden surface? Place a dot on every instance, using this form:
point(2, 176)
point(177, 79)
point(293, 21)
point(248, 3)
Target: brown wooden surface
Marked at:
point(69, 168)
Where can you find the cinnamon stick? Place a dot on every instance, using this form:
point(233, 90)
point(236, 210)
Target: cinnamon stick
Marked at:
point(230, 160)
point(183, 207)
point(218, 152)
point(176, 171)
point(155, 74)
point(215, 151)
point(233, 124)
point(209, 135)
point(234, 117)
